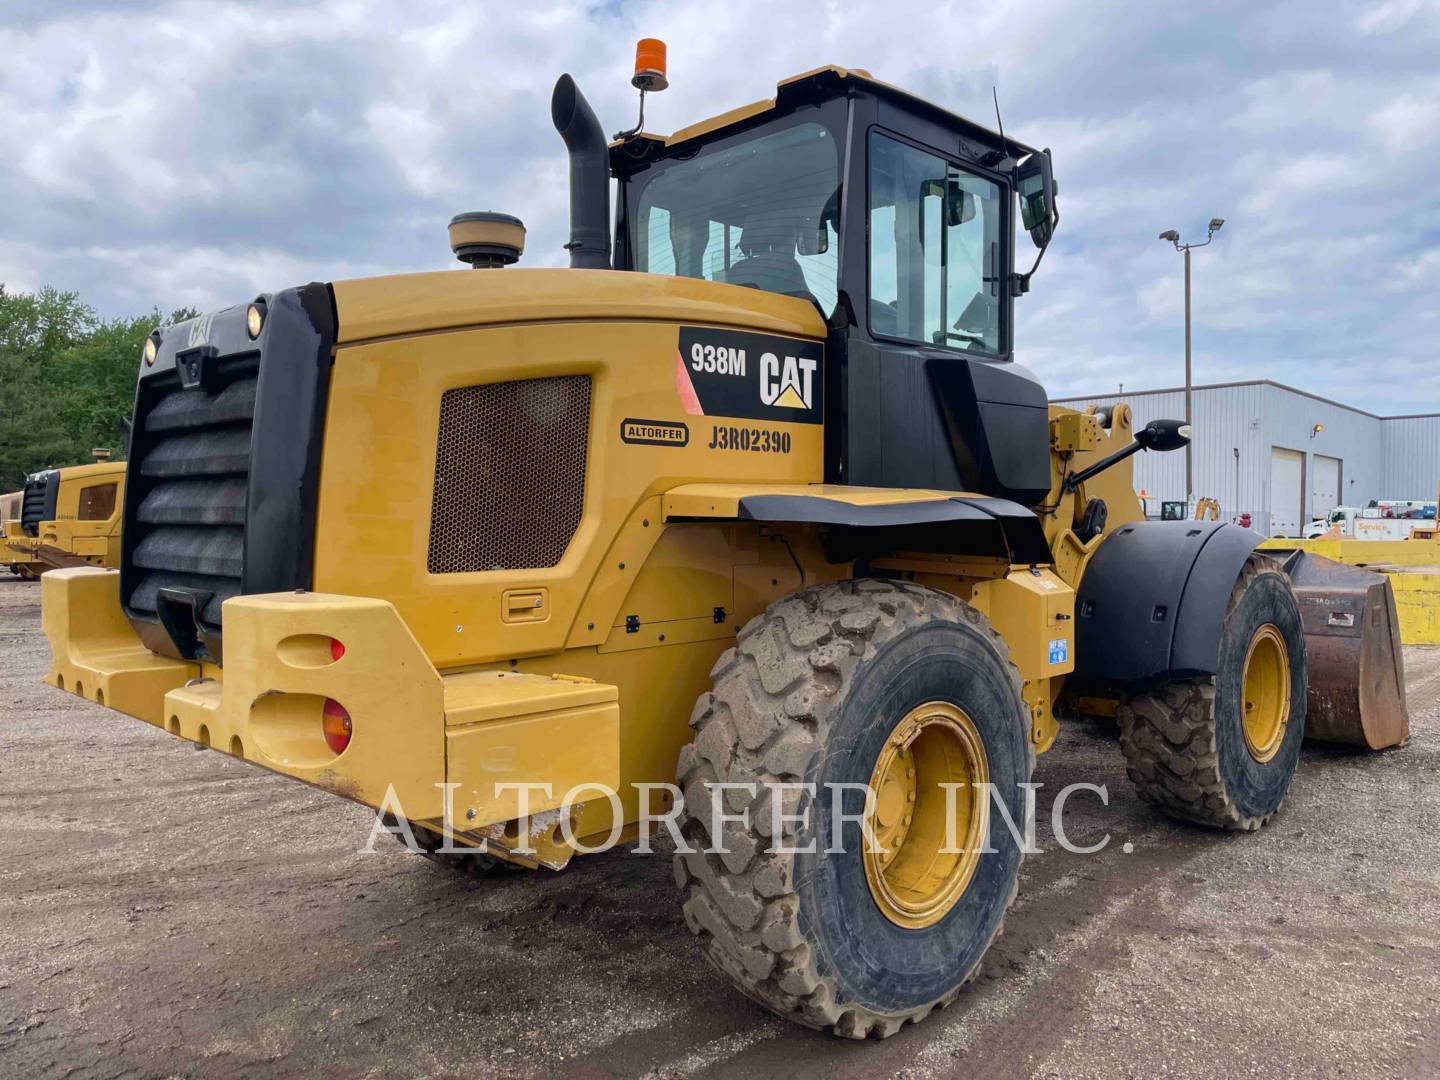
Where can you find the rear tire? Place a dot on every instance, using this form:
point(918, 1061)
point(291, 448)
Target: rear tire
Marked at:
point(1222, 751)
point(819, 690)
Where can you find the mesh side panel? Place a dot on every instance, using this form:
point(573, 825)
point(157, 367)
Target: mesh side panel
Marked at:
point(509, 474)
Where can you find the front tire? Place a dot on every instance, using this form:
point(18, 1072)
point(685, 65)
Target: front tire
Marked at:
point(825, 688)
point(1222, 751)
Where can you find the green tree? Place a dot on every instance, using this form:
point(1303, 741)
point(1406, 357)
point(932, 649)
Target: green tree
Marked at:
point(67, 380)
point(95, 380)
point(34, 330)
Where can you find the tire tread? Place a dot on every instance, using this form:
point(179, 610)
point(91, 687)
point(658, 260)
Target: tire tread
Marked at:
point(764, 722)
point(1170, 741)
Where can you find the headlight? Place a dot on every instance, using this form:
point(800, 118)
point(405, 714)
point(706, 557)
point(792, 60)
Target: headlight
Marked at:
point(152, 350)
point(255, 319)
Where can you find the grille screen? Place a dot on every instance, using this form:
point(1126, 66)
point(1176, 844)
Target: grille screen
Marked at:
point(509, 474)
point(188, 528)
point(38, 500)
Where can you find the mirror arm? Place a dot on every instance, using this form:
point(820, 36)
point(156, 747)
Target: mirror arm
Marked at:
point(1074, 480)
point(1158, 435)
point(1021, 282)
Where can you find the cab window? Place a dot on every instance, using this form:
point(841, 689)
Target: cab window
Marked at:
point(97, 503)
point(760, 213)
point(934, 249)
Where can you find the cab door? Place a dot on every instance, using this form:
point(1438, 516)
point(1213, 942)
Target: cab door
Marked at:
point(929, 397)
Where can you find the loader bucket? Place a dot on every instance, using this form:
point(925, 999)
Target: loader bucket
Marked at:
point(1356, 692)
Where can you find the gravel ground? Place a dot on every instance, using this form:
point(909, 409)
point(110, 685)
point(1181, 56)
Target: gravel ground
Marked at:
point(166, 912)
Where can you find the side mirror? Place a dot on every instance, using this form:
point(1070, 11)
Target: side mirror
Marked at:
point(959, 204)
point(1035, 184)
point(1163, 435)
point(814, 234)
point(813, 239)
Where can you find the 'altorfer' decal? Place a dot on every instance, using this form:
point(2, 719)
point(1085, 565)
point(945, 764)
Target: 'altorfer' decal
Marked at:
point(750, 376)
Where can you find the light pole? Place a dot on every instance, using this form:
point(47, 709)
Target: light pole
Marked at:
point(1174, 238)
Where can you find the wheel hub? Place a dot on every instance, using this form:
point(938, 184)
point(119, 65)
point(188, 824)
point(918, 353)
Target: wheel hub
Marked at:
point(1265, 688)
point(927, 840)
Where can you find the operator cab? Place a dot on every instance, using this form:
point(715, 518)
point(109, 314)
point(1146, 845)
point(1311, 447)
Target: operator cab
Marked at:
point(896, 219)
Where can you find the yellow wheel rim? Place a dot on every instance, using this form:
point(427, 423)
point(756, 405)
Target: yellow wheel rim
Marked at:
point(927, 840)
point(1266, 686)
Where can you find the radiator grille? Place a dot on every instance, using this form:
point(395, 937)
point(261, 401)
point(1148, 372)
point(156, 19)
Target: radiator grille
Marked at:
point(509, 474)
point(38, 501)
point(194, 468)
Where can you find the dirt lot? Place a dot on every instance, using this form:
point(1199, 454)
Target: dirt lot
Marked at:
point(167, 912)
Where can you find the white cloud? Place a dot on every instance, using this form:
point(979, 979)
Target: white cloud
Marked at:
point(1391, 15)
point(197, 151)
point(1410, 122)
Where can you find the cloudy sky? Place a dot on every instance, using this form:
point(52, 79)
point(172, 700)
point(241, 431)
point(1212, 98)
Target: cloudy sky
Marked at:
point(196, 152)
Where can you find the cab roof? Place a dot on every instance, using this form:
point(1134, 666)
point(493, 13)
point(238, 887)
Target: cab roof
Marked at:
point(820, 84)
point(92, 469)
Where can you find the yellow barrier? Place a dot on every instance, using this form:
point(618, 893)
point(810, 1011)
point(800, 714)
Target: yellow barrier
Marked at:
point(1413, 567)
point(1417, 600)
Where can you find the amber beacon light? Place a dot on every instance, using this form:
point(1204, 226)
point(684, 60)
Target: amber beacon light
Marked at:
point(650, 65)
point(649, 77)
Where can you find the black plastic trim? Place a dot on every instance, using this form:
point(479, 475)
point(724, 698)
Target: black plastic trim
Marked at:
point(37, 504)
point(961, 525)
point(816, 509)
point(289, 439)
point(290, 364)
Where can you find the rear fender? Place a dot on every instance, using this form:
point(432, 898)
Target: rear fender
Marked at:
point(867, 521)
point(1151, 605)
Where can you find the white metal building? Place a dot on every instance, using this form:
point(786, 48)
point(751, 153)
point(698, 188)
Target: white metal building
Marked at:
point(1258, 451)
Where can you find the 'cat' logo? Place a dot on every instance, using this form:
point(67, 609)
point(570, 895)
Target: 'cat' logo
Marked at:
point(200, 330)
point(749, 376)
point(788, 383)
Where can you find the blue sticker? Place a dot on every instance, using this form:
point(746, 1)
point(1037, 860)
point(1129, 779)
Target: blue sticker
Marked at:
point(1059, 650)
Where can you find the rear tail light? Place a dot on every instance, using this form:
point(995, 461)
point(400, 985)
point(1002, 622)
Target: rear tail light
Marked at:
point(337, 649)
point(336, 723)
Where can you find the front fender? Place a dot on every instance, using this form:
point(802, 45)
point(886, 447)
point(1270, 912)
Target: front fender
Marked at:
point(1152, 601)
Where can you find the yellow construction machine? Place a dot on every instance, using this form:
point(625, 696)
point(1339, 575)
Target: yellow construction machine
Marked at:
point(16, 560)
point(67, 517)
point(745, 527)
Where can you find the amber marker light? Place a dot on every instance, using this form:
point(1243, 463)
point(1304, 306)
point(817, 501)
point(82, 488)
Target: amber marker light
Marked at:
point(335, 721)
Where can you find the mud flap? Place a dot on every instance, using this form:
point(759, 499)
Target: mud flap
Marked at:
point(1356, 693)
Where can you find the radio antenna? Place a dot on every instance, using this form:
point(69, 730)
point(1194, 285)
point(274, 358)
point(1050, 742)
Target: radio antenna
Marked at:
point(998, 122)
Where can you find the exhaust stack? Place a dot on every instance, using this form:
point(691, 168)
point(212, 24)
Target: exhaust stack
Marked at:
point(589, 244)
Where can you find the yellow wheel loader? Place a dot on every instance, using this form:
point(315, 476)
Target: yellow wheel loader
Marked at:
point(13, 555)
point(744, 527)
point(68, 517)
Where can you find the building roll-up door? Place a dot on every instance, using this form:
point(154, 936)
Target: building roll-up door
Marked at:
point(1324, 485)
point(1287, 487)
